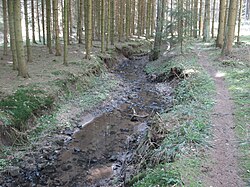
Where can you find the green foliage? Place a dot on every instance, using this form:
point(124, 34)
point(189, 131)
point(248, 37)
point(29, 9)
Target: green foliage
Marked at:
point(23, 103)
point(162, 176)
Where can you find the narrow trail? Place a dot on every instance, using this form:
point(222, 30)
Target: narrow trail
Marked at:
point(223, 170)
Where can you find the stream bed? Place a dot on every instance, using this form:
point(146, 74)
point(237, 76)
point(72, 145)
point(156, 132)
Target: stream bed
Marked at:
point(98, 153)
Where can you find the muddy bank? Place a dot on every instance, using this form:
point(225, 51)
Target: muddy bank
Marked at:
point(97, 151)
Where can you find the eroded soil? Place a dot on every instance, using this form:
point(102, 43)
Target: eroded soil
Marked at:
point(97, 152)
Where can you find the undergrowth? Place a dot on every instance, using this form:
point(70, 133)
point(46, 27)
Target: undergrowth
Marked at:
point(182, 131)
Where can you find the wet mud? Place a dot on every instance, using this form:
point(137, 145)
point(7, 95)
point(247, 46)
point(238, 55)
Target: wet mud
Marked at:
point(96, 153)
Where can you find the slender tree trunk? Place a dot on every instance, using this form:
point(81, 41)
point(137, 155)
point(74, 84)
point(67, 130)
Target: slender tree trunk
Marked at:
point(22, 65)
point(29, 58)
point(48, 20)
point(112, 22)
point(89, 28)
point(139, 23)
point(239, 21)
point(69, 19)
point(213, 18)
point(206, 36)
point(191, 18)
point(200, 19)
point(65, 33)
point(133, 3)
point(108, 26)
point(128, 14)
point(38, 20)
point(121, 22)
point(98, 19)
point(33, 21)
point(56, 25)
point(171, 20)
point(5, 23)
point(102, 25)
point(230, 27)
point(221, 28)
point(43, 21)
point(149, 3)
point(12, 35)
point(152, 18)
point(79, 25)
point(195, 18)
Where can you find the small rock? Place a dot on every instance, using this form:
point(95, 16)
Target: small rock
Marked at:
point(68, 132)
point(113, 158)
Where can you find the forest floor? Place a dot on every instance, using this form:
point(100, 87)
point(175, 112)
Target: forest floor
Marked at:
point(107, 131)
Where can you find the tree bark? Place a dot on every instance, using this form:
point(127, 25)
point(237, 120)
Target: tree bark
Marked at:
point(195, 18)
point(149, 3)
point(43, 21)
point(56, 25)
point(112, 23)
point(5, 44)
point(230, 27)
point(102, 25)
point(48, 20)
point(88, 29)
point(200, 19)
point(29, 58)
point(221, 27)
point(213, 18)
point(65, 33)
point(239, 21)
point(38, 20)
point(206, 36)
point(33, 21)
point(12, 34)
point(128, 14)
point(22, 65)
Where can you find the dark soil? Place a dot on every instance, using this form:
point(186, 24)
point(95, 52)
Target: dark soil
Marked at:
point(98, 152)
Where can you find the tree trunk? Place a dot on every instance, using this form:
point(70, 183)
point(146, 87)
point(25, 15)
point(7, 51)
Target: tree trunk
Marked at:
point(43, 21)
point(230, 27)
point(195, 18)
point(5, 23)
point(212, 29)
point(200, 19)
point(56, 25)
point(221, 28)
point(128, 14)
point(152, 18)
point(158, 35)
point(33, 21)
point(88, 29)
point(133, 6)
point(121, 22)
point(108, 26)
point(65, 33)
point(12, 35)
point(48, 20)
point(139, 24)
point(239, 21)
point(112, 22)
point(29, 58)
point(149, 3)
point(69, 19)
point(102, 25)
point(38, 20)
point(206, 36)
point(22, 66)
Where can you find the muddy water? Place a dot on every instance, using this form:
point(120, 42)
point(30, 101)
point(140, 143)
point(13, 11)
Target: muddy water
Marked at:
point(96, 154)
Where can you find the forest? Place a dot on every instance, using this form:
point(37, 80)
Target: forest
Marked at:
point(124, 93)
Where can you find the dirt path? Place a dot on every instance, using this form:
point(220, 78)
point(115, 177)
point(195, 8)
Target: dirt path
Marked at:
point(223, 169)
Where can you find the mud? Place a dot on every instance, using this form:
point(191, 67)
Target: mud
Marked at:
point(96, 153)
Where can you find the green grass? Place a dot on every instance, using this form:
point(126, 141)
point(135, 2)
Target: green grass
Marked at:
point(187, 126)
point(22, 104)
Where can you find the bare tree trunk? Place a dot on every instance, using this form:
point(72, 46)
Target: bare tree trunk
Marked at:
point(48, 20)
point(108, 26)
point(212, 29)
point(43, 21)
point(69, 19)
point(29, 58)
point(239, 21)
point(33, 21)
point(221, 28)
point(128, 14)
point(5, 44)
point(206, 36)
point(38, 20)
point(153, 18)
point(195, 18)
point(200, 19)
point(22, 65)
point(112, 23)
point(56, 25)
point(88, 29)
point(12, 34)
point(102, 25)
point(65, 33)
point(230, 27)
point(148, 23)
